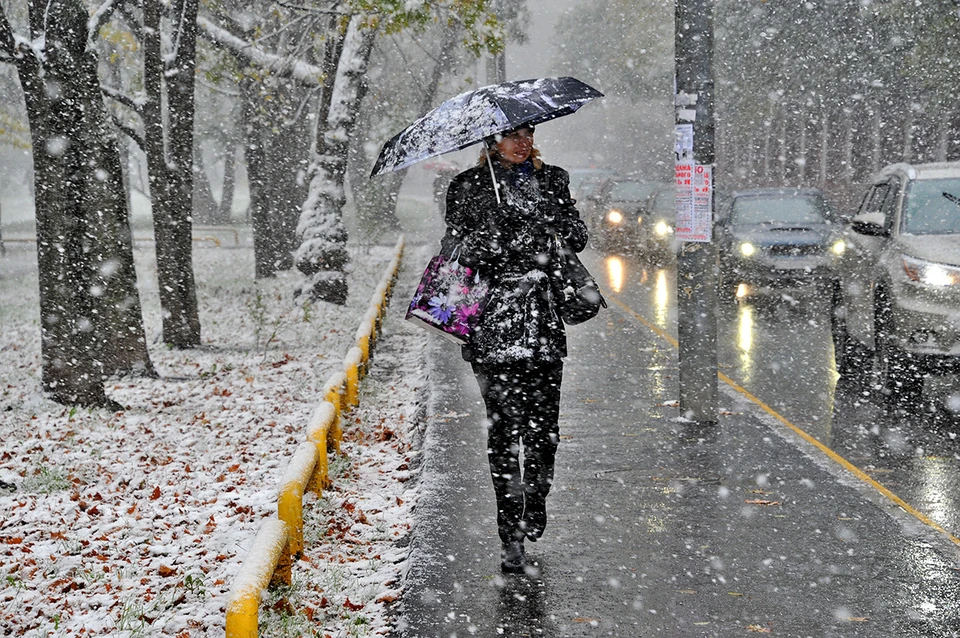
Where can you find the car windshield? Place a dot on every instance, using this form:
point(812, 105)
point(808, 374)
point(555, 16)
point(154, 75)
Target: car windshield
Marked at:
point(630, 191)
point(932, 207)
point(777, 210)
point(665, 204)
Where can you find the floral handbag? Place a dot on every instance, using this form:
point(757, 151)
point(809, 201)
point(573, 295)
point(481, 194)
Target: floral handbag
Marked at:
point(450, 298)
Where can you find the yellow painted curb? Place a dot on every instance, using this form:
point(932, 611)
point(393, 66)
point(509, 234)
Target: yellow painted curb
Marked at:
point(292, 486)
point(266, 561)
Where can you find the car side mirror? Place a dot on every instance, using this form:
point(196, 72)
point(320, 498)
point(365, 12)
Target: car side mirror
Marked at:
point(870, 224)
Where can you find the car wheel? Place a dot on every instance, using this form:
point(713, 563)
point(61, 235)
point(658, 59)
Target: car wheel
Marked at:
point(899, 376)
point(848, 355)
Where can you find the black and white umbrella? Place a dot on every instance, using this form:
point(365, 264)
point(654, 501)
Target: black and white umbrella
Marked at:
point(475, 115)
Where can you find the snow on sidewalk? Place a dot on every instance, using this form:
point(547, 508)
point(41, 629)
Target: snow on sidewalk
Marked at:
point(133, 524)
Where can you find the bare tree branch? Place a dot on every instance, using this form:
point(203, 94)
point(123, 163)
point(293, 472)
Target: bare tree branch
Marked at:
point(128, 131)
point(335, 11)
point(282, 66)
point(122, 98)
point(101, 17)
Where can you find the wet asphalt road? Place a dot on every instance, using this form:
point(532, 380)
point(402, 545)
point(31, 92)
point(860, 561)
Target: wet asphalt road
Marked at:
point(779, 349)
point(662, 528)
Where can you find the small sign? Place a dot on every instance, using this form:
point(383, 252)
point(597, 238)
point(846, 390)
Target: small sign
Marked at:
point(702, 226)
point(694, 182)
point(683, 176)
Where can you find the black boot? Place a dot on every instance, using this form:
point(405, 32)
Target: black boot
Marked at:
point(512, 557)
point(534, 517)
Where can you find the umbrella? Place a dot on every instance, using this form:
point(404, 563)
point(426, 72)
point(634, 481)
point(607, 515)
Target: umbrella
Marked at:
point(472, 116)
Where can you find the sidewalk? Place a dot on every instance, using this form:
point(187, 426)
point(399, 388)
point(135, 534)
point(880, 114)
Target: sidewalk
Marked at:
point(661, 528)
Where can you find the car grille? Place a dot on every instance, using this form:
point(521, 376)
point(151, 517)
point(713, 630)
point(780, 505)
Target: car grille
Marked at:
point(786, 250)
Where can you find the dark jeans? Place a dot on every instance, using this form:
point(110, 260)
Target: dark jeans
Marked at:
point(523, 406)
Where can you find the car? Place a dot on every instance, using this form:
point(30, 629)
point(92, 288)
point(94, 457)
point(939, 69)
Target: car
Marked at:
point(616, 216)
point(659, 243)
point(770, 240)
point(896, 305)
point(579, 176)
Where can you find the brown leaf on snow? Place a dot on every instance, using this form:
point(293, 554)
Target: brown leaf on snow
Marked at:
point(352, 606)
point(757, 629)
point(167, 572)
point(387, 599)
point(760, 501)
point(156, 493)
point(283, 607)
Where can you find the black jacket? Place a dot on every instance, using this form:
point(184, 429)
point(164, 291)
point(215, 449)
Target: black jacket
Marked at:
point(513, 245)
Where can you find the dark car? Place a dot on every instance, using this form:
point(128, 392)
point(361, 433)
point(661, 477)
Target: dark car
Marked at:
point(897, 300)
point(657, 241)
point(616, 217)
point(773, 239)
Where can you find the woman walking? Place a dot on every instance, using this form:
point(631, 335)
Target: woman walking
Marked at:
point(506, 215)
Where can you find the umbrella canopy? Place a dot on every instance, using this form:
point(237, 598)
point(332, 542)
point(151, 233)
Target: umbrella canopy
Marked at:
point(472, 116)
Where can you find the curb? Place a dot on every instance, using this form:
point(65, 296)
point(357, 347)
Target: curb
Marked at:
point(269, 561)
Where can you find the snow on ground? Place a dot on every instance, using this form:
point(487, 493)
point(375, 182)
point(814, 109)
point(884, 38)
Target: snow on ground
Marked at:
point(134, 523)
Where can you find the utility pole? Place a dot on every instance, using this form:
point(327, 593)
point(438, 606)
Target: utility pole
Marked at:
point(695, 158)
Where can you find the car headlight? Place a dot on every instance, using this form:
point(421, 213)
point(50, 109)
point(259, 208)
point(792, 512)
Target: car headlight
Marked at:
point(662, 228)
point(929, 273)
point(838, 247)
point(747, 249)
point(614, 216)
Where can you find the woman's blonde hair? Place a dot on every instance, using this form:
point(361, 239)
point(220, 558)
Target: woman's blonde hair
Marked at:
point(490, 149)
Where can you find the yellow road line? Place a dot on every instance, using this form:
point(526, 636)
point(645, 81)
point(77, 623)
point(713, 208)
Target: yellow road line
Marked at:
point(844, 463)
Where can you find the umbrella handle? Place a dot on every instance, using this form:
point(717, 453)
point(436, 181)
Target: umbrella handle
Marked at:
point(496, 187)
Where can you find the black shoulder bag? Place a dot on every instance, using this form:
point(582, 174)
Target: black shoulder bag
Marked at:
point(577, 293)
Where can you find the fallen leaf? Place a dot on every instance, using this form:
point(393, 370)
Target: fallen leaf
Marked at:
point(352, 606)
point(760, 501)
point(387, 599)
point(584, 619)
point(156, 493)
point(757, 629)
point(166, 572)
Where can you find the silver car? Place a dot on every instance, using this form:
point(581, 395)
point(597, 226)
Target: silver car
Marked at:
point(898, 296)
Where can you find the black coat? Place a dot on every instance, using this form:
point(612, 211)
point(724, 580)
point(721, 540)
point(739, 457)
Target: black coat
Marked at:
point(513, 245)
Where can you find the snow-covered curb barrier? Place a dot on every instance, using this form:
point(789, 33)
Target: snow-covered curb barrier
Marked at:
point(280, 540)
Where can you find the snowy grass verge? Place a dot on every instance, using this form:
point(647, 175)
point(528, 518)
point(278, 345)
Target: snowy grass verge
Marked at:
point(133, 523)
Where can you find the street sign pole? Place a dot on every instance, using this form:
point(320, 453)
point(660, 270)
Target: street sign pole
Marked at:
point(695, 158)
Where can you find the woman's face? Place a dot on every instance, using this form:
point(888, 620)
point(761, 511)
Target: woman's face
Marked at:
point(515, 147)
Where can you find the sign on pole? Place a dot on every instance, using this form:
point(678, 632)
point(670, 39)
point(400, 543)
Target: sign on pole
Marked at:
point(694, 190)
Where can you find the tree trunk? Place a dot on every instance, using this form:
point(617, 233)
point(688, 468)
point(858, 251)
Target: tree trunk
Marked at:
point(171, 178)
point(205, 208)
point(225, 211)
point(264, 242)
point(322, 254)
point(89, 306)
point(380, 215)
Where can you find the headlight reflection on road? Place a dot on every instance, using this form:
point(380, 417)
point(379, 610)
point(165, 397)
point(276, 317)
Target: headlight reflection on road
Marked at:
point(615, 273)
point(745, 341)
point(661, 297)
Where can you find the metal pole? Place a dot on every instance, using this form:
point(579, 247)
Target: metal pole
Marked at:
point(696, 263)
